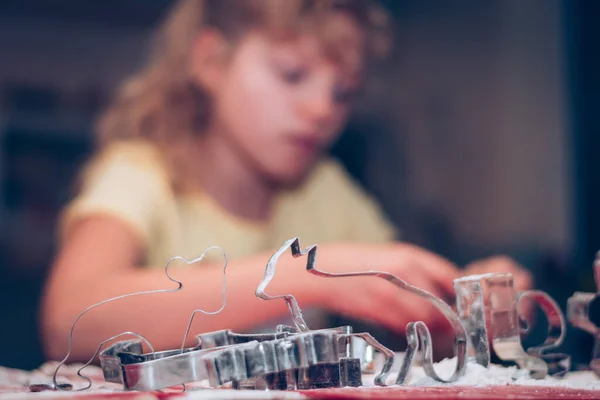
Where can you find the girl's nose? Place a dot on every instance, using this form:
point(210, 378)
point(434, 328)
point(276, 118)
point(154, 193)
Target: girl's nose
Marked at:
point(319, 108)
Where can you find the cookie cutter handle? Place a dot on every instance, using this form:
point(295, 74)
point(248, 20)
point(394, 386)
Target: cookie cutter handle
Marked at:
point(558, 363)
point(505, 326)
point(557, 326)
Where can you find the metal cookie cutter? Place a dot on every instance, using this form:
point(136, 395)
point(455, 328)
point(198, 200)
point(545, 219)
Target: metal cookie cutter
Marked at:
point(55, 385)
point(274, 361)
point(300, 324)
point(417, 332)
point(499, 298)
point(124, 363)
point(578, 314)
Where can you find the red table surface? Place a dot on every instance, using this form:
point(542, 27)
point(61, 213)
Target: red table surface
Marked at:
point(14, 384)
point(417, 393)
point(456, 392)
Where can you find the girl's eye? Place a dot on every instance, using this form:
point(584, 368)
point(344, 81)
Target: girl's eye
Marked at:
point(290, 69)
point(293, 75)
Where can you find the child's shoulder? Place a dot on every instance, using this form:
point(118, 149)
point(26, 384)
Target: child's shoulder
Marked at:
point(139, 152)
point(129, 155)
point(134, 162)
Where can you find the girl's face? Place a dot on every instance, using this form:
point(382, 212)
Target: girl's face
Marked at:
point(279, 105)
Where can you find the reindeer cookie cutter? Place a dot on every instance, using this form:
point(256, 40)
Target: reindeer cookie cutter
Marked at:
point(578, 314)
point(478, 295)
point(418, 335)
point(348, 361)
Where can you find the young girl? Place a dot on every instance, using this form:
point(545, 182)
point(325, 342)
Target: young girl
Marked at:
point(219, 140)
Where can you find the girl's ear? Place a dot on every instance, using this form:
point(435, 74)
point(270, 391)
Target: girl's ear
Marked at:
point(208, 59)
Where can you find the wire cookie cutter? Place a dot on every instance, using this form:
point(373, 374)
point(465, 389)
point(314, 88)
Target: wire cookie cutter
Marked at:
point(476, 295)
point(55, 385)
point(347, 352)
point(418, 335)
point(120, 361)
point(578, 314)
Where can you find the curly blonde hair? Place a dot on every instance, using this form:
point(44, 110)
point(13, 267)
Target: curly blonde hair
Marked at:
point(161, 104)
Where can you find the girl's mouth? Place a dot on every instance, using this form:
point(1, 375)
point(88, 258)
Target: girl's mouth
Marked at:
point(309, 145)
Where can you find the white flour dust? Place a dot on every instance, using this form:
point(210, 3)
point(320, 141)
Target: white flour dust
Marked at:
point(477, 375)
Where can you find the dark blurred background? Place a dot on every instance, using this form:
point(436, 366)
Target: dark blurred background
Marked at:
point(478, 136)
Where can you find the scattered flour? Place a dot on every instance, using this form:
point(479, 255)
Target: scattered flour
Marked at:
point(477, 375)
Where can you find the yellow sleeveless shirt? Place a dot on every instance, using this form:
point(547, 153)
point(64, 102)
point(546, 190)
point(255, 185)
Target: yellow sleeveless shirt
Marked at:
point(129, 181)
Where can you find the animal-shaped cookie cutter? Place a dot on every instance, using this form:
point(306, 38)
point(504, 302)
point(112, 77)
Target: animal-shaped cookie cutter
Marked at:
point(56, 386)
point(300, 324)
point(578, 314)
point(494, 294)
point(418, 335)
